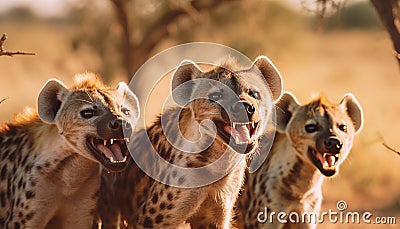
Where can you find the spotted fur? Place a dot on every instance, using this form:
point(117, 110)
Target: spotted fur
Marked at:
point(290, 179)
point(143, 202)
point(49, 178)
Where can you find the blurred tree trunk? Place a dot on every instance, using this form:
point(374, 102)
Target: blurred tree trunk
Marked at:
point(123, 21)
point(388, 11)
point(136, 53)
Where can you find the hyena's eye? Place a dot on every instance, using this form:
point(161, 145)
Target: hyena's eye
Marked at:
point(343, 127)
point(88, 113)
point(254, 94)
point(215, 96)
point(311, 128)
point(125, 111)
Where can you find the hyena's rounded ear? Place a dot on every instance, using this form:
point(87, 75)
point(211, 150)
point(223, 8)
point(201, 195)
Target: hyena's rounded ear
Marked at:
point(271, 75)
point(50, 99)
point(182, 85)
point(284, 109)
point(353, 108)
point(129, 99)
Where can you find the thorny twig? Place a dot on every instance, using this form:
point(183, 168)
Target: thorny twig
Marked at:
point(6, 53)
point(387, 146)
point(1, 101)
point(390, 148)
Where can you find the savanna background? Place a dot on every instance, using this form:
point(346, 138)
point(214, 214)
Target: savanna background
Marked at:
point(342, 47)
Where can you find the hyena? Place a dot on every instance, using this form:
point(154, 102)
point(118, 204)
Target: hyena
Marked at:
point(311, 143)
point(226, 110)
point(50, 158)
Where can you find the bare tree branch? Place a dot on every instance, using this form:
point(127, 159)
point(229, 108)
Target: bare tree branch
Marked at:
point(3, 52)
point(386, 145)
point(1, 101)
point(135, 54)
point(159, 29)
point(390, 148)
point(389, 13)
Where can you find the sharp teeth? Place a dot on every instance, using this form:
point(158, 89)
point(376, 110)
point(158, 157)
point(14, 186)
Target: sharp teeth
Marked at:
point(325, 164)
point(237, 139)
point(234, 125)
point(114, 161)
point(105, 142)
point(324, 155)
point(127, 140)
point(112, 141)
point(252, 124)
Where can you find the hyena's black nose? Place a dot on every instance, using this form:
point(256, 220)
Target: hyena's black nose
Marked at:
point(243, 108)
point(333, 144)
point(118, 125)
point(115, 124)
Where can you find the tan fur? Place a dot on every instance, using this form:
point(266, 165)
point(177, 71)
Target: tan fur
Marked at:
point(48, 177)
point(289, 179)
point(143, 202)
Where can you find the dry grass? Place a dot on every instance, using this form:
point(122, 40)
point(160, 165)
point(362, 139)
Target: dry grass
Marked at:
point(334, 63)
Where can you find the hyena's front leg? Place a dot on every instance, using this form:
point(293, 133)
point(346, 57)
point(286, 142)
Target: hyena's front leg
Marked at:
point(169, 207)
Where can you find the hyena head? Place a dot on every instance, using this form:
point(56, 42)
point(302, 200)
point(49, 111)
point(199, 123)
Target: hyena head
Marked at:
point(237, 100)
point(321, 132)
point(93, 119)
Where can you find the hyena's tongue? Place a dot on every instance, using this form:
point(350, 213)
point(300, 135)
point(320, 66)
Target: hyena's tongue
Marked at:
point(113, 151)
point(328, 161)
point(241, 133)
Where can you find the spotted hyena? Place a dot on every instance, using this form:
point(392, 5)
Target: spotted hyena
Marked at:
point(233, 103)
point(311, 142)
point(49, 167)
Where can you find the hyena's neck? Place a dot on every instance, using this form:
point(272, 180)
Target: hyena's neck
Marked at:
point(291, 175)
point(54, 157)
point(44, 140)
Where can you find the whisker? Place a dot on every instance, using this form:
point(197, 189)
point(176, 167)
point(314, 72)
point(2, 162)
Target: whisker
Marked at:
point(279, 108)
point(86, 101)
point(91, 99)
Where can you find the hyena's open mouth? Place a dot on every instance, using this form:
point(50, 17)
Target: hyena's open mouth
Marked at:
point(238, 134)
point(112, 153)
point(327, 163)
